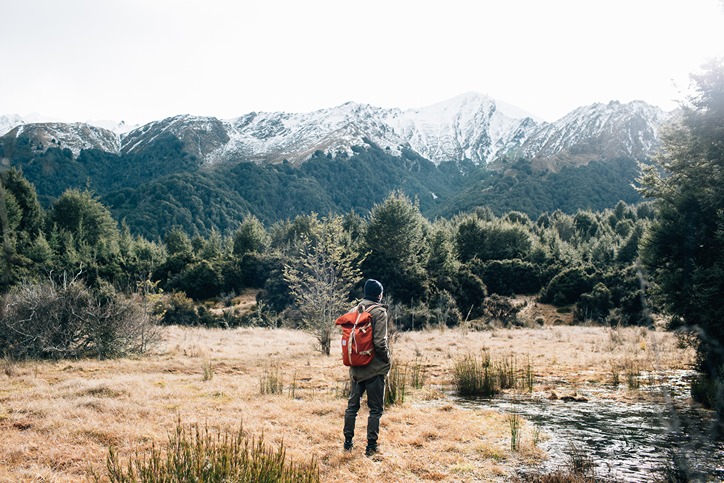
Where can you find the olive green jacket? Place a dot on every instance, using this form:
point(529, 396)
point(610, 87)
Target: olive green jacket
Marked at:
point(382, 361)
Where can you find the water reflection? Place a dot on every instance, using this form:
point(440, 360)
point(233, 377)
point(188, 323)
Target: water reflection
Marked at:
point(626, 441)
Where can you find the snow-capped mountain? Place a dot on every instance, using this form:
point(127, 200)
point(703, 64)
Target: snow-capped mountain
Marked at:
point(598, 131)
point(118, 127)
point(9, 121)
point(470, 126)
point(74, 136)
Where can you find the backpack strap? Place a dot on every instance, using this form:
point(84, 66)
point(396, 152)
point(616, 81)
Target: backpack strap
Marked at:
point(369, 307)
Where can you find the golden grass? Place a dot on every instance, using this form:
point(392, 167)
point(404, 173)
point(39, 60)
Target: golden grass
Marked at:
point(57, 419)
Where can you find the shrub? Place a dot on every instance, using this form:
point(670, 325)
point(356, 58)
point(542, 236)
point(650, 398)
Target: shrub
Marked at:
point(445, 309)
point(178, 309)
point(55, 321)
point(508, 277)
point(566, 287)
point(501, 309)
point(595, 305)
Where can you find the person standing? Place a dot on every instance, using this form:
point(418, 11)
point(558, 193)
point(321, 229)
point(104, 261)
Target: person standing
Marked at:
point(370, 378)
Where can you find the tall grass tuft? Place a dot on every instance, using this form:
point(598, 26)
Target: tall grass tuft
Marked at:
point(396, 385)
point(293, 387)
point(9, 366)
point(506, 372)
point(417, 374)
point(515, 422)
point(632, 371)
point(270, 381)
point(484, 377)
point(580, 462)
point(342, 390)
point(474, 376)
point(194, 454)
point(615, 375)
point(528, 376)
point(208, 370)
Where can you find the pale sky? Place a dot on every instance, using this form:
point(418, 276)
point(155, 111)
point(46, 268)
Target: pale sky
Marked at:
point(143, 60)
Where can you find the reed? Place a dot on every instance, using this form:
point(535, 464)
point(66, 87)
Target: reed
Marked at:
point(270, 381)
point(528, 376)
point(195, 454)
point(475, 376)
point(417, 374)
point(208, 370)
point(515, 422)
point(486, 377)
point(632, 371)
point(396, 385)
point(506, 372)
point(580, 462)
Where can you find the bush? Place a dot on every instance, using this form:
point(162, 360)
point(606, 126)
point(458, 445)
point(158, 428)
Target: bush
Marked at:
point(178, 309)
point(595, 305)
point(501, 309)
point(56, 321)
point(566, 287)
point(445, 309)
point(508, 277)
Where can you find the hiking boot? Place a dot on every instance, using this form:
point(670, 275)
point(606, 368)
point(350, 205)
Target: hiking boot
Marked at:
point(371, 449)
point(348, 444)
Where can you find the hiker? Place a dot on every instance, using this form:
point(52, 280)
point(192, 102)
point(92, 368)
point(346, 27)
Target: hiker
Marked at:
point(370, 378)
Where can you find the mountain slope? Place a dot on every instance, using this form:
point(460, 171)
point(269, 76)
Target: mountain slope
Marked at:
point(470, 126)
point(595, 132)
point(75, 136)
point(204, 173)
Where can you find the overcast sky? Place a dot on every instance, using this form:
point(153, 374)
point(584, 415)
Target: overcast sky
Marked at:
point(142, 60)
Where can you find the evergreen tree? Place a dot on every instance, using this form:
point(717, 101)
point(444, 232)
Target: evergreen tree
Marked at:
point(250, 237)
point(684, 247)
point(396, 248)
point(81, 214)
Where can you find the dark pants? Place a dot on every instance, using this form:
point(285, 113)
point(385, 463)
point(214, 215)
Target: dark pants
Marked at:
point(375, 388)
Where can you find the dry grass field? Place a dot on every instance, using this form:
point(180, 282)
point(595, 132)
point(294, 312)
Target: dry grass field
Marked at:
point(58, 419)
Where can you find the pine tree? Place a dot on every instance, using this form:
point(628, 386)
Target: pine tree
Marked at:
point(396, 248)
point(684, 248)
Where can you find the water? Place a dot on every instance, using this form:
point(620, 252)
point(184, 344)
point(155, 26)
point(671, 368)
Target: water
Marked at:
point(625, 441)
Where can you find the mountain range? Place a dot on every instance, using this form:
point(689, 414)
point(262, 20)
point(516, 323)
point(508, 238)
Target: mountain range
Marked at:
point(470, 126)
point(473, 132)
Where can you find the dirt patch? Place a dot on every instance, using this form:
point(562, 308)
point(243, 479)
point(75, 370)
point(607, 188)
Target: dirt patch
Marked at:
point(241, 305)
point(534, 313)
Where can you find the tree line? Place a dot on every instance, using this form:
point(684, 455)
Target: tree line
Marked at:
point(436, 272)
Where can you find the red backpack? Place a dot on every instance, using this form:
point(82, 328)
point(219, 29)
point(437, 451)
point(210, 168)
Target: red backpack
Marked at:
point(358, 348)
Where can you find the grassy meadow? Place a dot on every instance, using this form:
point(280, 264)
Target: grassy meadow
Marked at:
point(59, 419)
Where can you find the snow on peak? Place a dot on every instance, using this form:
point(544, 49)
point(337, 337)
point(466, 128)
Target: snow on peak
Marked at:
point(470, 126)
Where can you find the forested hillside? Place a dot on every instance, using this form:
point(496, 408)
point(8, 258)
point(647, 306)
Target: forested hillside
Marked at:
point(162, 186)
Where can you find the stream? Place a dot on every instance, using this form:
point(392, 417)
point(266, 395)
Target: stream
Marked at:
point(624, 441)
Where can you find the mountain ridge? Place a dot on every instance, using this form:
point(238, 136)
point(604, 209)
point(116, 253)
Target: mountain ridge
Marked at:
point(470, 126)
